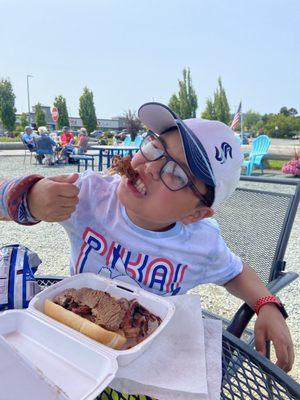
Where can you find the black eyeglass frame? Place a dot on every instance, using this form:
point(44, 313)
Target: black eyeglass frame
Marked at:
point(168, 158)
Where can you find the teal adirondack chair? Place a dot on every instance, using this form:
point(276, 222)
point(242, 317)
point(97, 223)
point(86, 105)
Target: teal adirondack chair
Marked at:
point(127, 141)
point(138, 141)
point(260, 147)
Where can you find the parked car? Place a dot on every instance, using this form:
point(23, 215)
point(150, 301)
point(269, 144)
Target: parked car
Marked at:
point(97, 134)
point(296, 137)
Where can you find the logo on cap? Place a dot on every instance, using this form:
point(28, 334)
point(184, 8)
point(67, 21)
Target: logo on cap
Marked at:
point(226, 150)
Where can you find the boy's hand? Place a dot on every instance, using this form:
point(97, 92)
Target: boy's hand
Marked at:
point(270, 325)
point(53, 199)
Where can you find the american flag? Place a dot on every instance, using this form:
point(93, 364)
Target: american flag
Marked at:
point(236, 117)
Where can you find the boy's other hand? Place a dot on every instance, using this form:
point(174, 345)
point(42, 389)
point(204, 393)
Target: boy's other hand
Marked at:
point(270, 325)
point(53, 199)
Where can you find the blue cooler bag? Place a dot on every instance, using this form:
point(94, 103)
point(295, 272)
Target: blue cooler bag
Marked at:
point(18, 285)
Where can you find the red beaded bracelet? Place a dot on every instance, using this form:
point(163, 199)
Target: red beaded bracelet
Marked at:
point(265, 300)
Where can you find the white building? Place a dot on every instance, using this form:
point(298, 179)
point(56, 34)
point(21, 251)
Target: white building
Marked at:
point(75, 123)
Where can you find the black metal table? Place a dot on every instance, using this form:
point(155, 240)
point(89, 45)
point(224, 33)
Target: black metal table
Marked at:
point(246, 374)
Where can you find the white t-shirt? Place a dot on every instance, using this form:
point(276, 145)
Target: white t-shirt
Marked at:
point(105, 241)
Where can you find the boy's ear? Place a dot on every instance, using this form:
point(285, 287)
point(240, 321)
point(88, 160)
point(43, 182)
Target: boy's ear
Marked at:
point(198, 214)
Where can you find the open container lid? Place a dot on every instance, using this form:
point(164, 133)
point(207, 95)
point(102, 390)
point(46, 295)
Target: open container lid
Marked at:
point(38, 361)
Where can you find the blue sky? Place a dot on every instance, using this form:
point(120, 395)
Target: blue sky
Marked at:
point(132, 51)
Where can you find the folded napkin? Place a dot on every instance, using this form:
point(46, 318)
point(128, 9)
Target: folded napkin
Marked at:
point(178, 365)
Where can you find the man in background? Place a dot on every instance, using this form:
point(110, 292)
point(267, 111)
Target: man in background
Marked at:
point(27, 137)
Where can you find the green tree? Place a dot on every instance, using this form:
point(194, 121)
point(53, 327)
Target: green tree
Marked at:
point(174, 104)
point(7, 106)
point(284, 111)
point(209, 112)
point(61, 105)
point(281, 125)
point(39, 116)
point(221, 106)
point(293, 111)
point(87, 110)
point(251, 119)
point(185, 103)
point(23, 120)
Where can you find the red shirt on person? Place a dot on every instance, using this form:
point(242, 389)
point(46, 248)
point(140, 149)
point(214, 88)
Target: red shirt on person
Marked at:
point(65, 138)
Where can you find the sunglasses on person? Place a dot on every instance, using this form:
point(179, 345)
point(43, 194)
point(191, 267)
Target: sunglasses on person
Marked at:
point(172, 174)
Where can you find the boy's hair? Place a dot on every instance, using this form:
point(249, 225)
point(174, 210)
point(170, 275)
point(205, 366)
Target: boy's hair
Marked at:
point(212, 153)
point(209, 195)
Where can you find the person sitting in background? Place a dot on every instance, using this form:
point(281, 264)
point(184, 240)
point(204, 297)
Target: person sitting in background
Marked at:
point(82, 141)
point(65, 136)
point(67, 151)
point(66, 139)
point(45, 147)
point(27, 137)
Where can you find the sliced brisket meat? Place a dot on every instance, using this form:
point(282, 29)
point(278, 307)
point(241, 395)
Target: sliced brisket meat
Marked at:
point(127, 317)
point(89, 297)
point(65, 298)
point(108, 313)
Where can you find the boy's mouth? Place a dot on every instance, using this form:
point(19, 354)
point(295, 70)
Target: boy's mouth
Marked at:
point(140, 186)
point(134, 180)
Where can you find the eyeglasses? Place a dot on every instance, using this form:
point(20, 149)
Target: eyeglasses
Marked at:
point(172, 174)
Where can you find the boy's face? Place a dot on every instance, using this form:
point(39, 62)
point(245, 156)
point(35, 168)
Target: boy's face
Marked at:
point(154, 206)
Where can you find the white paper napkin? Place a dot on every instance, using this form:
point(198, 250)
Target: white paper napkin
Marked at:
point(175, 366)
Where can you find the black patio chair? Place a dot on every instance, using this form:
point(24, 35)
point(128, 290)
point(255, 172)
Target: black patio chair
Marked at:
point(256, 225)
point(28, 150)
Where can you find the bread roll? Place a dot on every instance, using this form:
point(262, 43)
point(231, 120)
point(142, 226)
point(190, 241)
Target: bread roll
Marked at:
point(83, 325)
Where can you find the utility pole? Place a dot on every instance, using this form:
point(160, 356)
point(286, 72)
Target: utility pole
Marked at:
point(28, 99)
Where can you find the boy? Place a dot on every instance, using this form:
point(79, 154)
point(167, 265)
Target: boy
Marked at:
point(156, 232)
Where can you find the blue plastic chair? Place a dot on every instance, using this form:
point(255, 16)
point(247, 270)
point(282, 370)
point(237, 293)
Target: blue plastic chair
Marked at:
point(260, 147)
point(127, 141)
point(138, 141)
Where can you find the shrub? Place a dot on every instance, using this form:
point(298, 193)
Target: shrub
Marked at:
point(292, 167)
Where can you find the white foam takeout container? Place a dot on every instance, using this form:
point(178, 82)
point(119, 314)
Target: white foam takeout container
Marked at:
point(44, 359)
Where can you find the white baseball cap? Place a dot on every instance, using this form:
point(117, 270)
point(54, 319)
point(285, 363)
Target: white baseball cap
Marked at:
point(212, 153)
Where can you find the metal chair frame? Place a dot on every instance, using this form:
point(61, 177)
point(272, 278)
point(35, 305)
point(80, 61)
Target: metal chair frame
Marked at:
point(27, 149)
point(278, 279)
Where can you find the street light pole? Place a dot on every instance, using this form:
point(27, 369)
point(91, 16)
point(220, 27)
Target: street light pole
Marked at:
point(28, 99)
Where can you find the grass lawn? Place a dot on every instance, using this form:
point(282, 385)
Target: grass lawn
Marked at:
point(276, 164)
point(9, 139)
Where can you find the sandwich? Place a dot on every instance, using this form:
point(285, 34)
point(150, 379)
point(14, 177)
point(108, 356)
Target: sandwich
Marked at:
point(117, 323)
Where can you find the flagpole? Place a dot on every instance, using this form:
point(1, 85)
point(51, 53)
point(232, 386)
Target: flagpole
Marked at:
point(241, 134)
